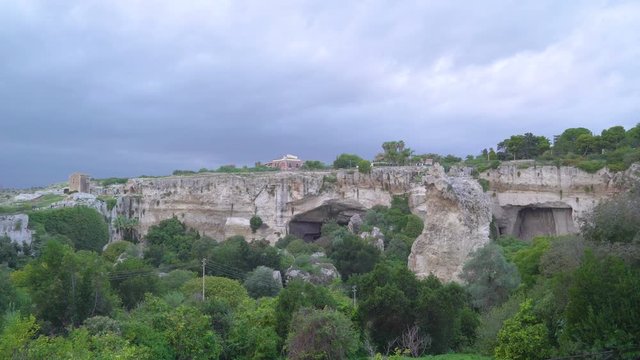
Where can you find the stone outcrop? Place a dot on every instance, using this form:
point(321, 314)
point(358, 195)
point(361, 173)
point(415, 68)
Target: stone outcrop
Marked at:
point(456, 216)
point(529, 200)
point(220, 205)
point(16, 228)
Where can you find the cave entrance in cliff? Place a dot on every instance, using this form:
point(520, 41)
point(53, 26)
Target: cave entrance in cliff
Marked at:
point(541, 221)
point(307, 225)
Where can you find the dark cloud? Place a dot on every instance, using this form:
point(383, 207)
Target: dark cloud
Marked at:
point(123, 88)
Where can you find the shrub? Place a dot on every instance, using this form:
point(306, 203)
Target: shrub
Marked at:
point(84, 226)
point(616, 219)
point(590, 166)
point(260, 282)
point(364, 166)
point(523, 336)
point(255, 222)
point(489, 277)
point(321, 334)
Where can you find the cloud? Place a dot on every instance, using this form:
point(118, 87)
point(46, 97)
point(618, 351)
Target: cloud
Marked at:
point(131, 87)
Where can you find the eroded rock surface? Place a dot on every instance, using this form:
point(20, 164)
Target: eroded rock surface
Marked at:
point(456, 216)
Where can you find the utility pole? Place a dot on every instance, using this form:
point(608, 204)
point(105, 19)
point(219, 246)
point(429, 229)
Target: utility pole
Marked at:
point(354, 290)
point(204, 261)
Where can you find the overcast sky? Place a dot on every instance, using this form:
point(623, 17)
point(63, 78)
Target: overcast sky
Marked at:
point(125, 88)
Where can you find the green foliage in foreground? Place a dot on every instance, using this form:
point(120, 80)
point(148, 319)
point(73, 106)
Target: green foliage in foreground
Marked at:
point(321, 334)
point(523, 336)
point(66, 287)
point(445, 357)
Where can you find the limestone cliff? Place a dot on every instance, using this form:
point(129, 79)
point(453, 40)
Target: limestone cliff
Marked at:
point(220, 205)
point(529, 200)
point(455, 210)
point(15, 227)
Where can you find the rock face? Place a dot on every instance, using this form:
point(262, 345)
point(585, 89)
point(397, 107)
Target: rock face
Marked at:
point(15, 227)
point(220, 205)
point(456, 216)
point(455, 210)
point(528, 200)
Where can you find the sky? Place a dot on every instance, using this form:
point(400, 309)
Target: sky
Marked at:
point(133, 87)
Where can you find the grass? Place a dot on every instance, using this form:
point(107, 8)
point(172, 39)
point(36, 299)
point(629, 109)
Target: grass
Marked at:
point(24, 206)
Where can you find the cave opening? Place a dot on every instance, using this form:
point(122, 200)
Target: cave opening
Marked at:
point(307, 226)
point(542, 221)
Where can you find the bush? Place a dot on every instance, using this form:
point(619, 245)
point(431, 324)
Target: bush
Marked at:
point(117, 248)
point(260, 282)
point(616, 219)
point(489, 277)
point(219, 289)
point(255, 222)
point(364, 166)
point(346, 161)
point(603, 311)
point(84, 226)
point(321, 334)
point(523, 336)
point(591, 166)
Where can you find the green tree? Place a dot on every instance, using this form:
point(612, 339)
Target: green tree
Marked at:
point(228, 291)
point(352, 255)
point(395, 153)
point(489, 277)
point(613, 137)
point(387, 297)
point(8, 252)
point(253, 335)
point(190, 335)
point(321, 334)
point(132, 279)
point(527, 146)
point(346, 161)
point(364, 166)
point(174, 280)
point(528, 260)
point(523, 336)
point(413, 227)
point(296, 295)
point(445, 314)
point(260, 282)
point(113, 251)
point(66, 287)
point(313, 165)
point(16, 334)
point(169, 242)
point(397, 250)
point(82, 345)
point(603, 311)
point(587, 144)
point(567, 141)
point(84, 226)
point(255, 222)
point(615, 220)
